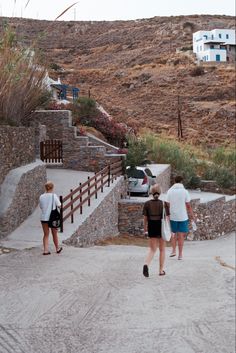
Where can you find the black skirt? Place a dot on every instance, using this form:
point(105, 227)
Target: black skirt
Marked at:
point(154, 229)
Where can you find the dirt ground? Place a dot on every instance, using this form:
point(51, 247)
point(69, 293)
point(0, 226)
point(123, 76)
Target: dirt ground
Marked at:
point(124, 239)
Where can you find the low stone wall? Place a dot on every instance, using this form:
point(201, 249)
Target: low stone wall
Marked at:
point(212, 186)
point(103, 222)
point(20, 195)
point(215, 217)
point(17, 148)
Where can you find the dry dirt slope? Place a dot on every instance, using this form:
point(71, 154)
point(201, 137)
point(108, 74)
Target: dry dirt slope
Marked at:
point(133, 70)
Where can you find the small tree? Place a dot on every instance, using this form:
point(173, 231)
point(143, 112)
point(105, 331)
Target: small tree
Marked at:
point(22, 81)
point(137, 152)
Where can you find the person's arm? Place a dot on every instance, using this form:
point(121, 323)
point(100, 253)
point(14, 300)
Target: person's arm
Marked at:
point(167, 208)
point(145, 224)
point(190, 211)
point(40, 202)
point(57, 201)
point(188, 206)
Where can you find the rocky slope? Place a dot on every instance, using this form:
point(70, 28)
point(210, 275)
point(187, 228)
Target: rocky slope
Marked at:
point(137, 70)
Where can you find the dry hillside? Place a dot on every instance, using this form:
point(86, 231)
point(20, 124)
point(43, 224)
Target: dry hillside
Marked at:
point(134, 69)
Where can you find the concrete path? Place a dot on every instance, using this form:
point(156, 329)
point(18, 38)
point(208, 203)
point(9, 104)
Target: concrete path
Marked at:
point(96, 300)
point(29, 233)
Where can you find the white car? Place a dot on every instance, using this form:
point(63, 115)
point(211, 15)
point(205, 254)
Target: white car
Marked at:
point(140, 180)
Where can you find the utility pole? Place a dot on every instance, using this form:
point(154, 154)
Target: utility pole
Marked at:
point(180, 129)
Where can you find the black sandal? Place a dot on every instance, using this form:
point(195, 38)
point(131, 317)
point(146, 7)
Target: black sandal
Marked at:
point(162, 273)
point(59, 250)
point(145, 271)
point(47, 253)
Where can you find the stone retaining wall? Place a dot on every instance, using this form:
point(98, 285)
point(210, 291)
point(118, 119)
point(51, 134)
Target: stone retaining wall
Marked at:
point(215, 218)
point(103, 222)
point(20, 195)
point(77, 153)
point(17, 148)
point(163, 179)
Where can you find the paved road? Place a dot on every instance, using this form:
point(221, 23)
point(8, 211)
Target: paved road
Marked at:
point(95, 300)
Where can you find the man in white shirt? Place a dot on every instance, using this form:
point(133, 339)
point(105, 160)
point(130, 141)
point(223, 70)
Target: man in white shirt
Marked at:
point(178, 201)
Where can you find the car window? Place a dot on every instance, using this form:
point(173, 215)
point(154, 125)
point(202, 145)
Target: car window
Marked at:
point(148, 172)
point(135, 173)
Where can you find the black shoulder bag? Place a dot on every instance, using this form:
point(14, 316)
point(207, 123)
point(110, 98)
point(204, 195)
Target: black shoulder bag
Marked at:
point(55, 217)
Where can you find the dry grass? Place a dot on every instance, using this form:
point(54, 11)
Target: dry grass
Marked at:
point(224, 264)
point(22, 81)
point(124, 239)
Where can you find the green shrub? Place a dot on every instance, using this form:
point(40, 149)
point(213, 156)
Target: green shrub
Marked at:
point(209, 172)
point(182, 159)
point(137, 152)
point(222, 175)
point(225, 178)
point(84, 108)
point(224, 158)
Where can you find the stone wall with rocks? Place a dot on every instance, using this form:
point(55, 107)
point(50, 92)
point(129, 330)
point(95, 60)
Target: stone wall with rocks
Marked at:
point(164, 179)
point(17, 148)
point(103, 222)
point(215, 218)
point(20, 193)
point(78, 153)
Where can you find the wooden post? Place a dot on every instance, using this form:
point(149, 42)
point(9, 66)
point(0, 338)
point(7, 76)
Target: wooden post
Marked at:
point(71, 207)
point(180, 130)
point(109, 175)
point(61, 214)
point(96, 187)
point(88, 191)
point(80, 199)
point(101, 182)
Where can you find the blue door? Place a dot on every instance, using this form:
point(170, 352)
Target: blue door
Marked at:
point(217, 57)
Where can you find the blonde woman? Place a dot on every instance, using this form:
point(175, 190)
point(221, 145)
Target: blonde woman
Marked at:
point(47, 202)
point(152, 212)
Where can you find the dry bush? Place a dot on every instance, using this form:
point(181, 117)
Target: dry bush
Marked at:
point(197, 71)
point(22, 81)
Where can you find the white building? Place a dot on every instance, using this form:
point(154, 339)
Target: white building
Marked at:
point(215, 45)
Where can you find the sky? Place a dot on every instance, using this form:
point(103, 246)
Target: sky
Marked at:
point(108, 10)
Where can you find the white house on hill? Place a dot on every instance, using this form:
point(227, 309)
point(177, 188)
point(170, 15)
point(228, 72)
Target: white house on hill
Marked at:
point(216, 45)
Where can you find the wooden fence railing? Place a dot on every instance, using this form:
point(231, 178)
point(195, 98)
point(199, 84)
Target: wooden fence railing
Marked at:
point(76, 199)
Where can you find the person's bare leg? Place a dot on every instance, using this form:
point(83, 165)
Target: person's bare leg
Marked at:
point(173, 244)
point(162, 246)
point(55, 238)
point(181, 244)
point(153, 244)
point(45, 237)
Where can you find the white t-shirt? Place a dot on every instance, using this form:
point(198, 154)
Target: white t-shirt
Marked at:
point(45, 203)
point(177, 196)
